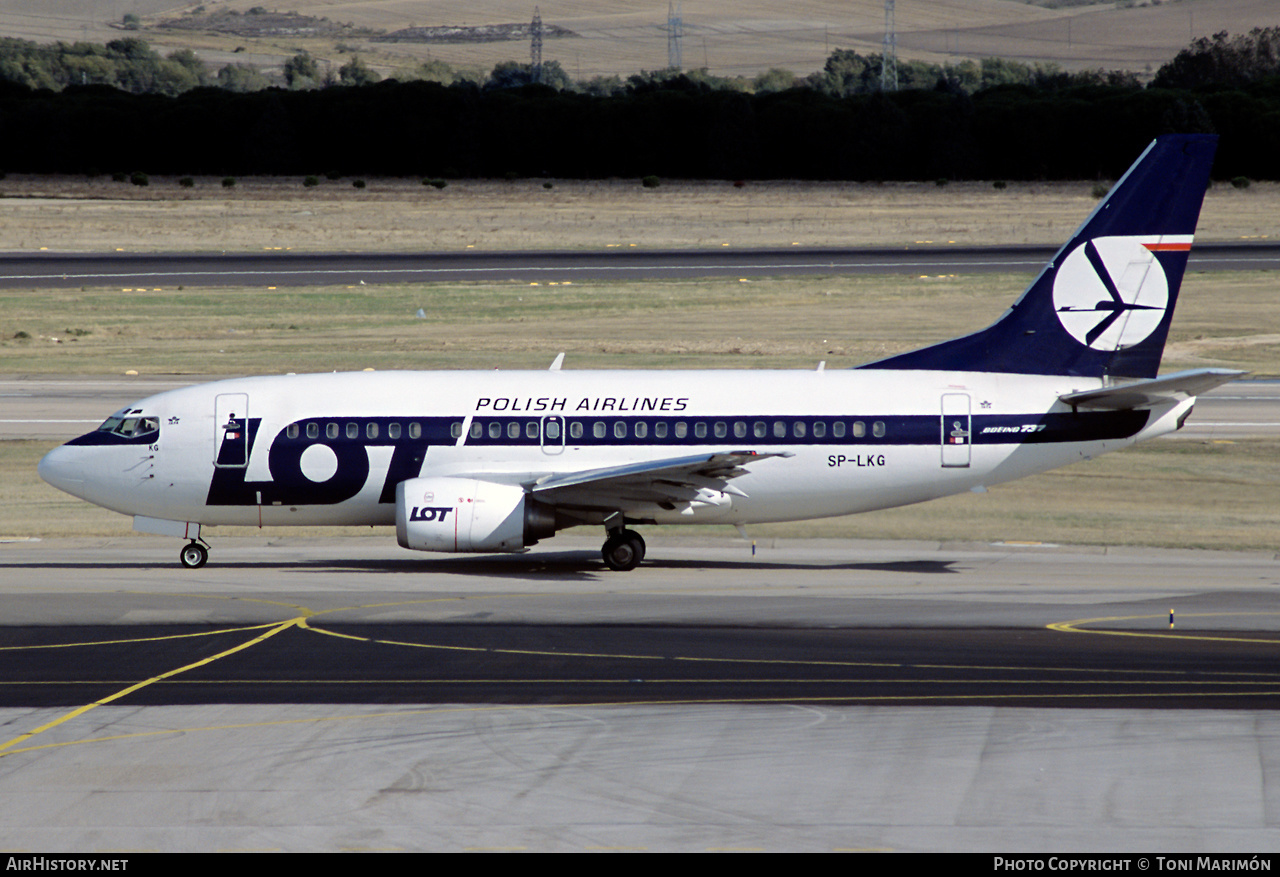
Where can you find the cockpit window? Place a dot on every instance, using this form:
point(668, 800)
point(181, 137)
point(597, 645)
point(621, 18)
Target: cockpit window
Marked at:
point(131, 426)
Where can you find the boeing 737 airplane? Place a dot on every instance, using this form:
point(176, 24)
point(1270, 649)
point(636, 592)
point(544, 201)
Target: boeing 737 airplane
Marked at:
point(495, 461)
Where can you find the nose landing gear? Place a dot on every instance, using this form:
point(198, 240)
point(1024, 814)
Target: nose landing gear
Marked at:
point(194, 555)
point(623, 550)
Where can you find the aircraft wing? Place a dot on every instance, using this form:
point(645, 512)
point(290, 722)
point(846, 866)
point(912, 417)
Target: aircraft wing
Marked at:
point(1149, 393)
point(668, 483)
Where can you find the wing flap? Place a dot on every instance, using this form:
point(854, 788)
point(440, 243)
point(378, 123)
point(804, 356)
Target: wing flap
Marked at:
point(670, 481)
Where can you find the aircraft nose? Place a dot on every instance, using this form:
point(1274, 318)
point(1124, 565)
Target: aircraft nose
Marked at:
point(64, 469)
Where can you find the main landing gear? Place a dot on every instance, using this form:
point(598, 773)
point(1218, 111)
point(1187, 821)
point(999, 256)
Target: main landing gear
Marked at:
point(194, 555)
point(623, 550)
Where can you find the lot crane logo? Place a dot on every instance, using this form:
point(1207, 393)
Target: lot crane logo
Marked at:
point(1111, 292)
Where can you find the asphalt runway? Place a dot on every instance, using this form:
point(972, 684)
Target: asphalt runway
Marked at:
point(591, 664)
point(60, 270)
point(339, 694)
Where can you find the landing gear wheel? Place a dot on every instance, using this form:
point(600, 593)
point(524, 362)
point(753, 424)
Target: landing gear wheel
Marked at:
point(623, 550)
point(193, 555)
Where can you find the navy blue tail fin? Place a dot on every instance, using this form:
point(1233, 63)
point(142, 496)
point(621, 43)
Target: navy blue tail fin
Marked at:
point(1103, 305)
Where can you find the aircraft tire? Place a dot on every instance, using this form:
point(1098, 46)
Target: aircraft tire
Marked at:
point(623, 551)
point(193, 555)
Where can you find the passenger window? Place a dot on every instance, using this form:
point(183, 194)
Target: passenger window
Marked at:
point(700, 430)
point(455, 430)
point(313, 430)
point(739, 429)
point(779, 429)
point(353, 430)
point(722, 429)
point(331, 430)
point(620, 429)
point(797, 429)
point(598, 429)
point(292, 431)
point(575, 429)
point(552, 430)
point(393, 431)
point(531, 429)
point(415, 430)
point(819, 429)
point(477, 429)
point(513, 430)
point(682, 429)
point(858, 429)
point(837, 429)
point(371, 430)
point(642, 429)
point(877, 429)
point(760, 428)
point(495, 429)
point(660, 429)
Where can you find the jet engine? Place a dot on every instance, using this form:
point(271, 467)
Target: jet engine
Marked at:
point(463, 514)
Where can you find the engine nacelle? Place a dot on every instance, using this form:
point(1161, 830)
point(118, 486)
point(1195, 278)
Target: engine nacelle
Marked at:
point(463, 514)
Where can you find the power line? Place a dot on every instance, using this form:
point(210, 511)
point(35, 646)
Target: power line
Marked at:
point(535, 46)
point(675, 32)
point(889, 55)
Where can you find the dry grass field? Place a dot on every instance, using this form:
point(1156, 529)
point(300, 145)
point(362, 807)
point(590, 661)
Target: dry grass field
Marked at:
point(1224, 320)
point(399, 215)
point(788, 322)
point(744, 37)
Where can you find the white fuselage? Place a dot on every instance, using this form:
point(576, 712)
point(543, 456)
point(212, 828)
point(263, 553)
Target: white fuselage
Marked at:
point(330, 448)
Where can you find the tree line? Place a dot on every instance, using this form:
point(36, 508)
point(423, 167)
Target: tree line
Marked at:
point(130, 64)
point(674, 125)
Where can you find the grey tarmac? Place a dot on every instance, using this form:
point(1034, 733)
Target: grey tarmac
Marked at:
point(671, 776)
point(70, 270)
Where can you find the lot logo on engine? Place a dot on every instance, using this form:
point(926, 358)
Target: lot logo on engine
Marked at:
point(429, 513)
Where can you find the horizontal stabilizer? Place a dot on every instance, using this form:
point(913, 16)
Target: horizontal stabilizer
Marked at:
point(1154, 391)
